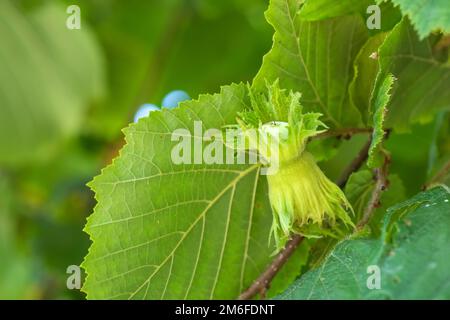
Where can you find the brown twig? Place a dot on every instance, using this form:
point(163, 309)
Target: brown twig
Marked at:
point(346, 133)
point(262, 283)
point(442, 44)
point(382, 183)
point(355, 165)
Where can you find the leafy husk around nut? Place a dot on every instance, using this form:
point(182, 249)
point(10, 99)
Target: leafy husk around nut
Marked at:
point(303, 199)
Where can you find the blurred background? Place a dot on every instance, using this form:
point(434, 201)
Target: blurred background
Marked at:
point(66, 94)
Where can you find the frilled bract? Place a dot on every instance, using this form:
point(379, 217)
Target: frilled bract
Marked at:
point(303, 199)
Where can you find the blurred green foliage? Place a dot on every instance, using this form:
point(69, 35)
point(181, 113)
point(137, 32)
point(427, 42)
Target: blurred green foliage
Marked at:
point(66, 94)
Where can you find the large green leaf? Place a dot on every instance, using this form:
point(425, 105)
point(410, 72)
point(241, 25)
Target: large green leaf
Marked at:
point(322, 9)
point(426, 15)
point(309, 57)
point(170, 231)
point(48, 75)
point(413, 264)
point(423, 76)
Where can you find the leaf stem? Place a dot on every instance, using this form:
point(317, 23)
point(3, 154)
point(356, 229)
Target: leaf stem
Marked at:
point(346, 133)
point(262, 283)
point(382, 183)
